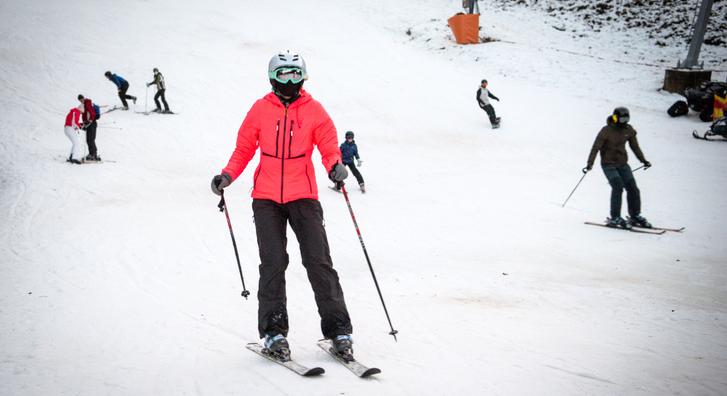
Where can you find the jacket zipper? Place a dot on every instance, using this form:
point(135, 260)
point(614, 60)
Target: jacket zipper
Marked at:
point(277, 136)
point(290, 142)
point(282, 155)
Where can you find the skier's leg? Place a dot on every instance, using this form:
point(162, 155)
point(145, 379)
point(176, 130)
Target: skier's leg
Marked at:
point(491, 113)
point(306, 219)
point(270, 226)
point(156, 100)
point(164, 100)
point(122, 96)
point(356, 173)
point(91, 139)
point(617, 186)
point(70, 133)
point(633, 195)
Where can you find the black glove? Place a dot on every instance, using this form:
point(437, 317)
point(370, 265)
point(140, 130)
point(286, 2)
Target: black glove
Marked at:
point(587, 168)
point(647, 165)
point(219, 182)
point(338, 173)
point(497, 100)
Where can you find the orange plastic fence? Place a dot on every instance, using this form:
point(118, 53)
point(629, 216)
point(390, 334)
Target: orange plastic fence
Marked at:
point(466, 28)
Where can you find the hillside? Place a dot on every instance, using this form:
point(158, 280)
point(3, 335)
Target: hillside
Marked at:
point(120, 279)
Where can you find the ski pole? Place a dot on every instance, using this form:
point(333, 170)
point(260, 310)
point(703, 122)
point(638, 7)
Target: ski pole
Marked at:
point(585, 172)
point(223, 208)
point(638, 168)
point(146, 98)
point(355, 224)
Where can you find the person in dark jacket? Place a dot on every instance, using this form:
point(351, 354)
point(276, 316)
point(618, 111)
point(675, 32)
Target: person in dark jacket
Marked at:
point(123, 86)
point(161, 89)
point(349, 152)
point(89, 125)
point(483, 99)
point(611, 143)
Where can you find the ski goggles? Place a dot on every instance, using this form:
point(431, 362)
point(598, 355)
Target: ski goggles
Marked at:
point(285, 75)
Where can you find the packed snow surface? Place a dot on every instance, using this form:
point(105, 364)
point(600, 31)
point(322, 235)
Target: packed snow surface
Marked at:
point(120, 279)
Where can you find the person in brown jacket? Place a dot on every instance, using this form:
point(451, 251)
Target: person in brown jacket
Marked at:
point(611, 142)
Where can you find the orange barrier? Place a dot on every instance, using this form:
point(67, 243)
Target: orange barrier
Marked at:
point(465, 27)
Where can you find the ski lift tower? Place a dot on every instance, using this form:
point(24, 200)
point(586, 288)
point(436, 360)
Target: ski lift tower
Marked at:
point(691, 73)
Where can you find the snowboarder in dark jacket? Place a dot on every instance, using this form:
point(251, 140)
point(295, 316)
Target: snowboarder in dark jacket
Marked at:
point(611, 142)
point(483, 99)
point(122, 86)
point(161, 89)
point(349, 152)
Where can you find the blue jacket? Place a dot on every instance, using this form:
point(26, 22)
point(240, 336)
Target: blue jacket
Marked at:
point(349, 151)
point(118, 80)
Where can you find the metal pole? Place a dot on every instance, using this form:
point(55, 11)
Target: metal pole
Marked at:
point(223, 208)
point(700, 27)
point(355, 224)
point(585, 172)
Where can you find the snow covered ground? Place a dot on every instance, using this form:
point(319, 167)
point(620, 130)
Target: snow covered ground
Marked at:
point(119, 278)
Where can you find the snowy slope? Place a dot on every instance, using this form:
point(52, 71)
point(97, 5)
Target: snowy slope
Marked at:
point(119, 278)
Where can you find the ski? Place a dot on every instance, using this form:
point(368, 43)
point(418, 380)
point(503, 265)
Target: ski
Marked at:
point(111, 109)
point(155, 112)
point(289, 364)
point(680, 229)
point(636, 229)
point(357, 368)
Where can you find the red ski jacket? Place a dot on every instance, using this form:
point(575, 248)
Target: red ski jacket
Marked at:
point(286, 136)
point(89, 114)
point(72, 117)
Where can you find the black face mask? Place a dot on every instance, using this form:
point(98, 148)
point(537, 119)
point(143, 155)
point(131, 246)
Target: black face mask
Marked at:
point(287, 92)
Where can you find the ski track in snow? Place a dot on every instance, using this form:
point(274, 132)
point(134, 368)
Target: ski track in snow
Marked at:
point(119, 278)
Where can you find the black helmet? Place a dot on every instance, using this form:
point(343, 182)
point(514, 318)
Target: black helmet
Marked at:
point(621, 115)
point(483, 81)
point(80, 97)
point(107, 74)
point(349, 134)
point(156, 70)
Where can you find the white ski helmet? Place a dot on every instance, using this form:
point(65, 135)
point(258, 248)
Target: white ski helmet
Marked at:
point(287, 59)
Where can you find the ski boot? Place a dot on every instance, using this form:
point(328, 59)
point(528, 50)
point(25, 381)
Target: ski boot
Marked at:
point(157, 110)
point(343, 346)
point(167, 111)
point(362, 187)
point(639, 221)
point(277, 346)
point(618, 222)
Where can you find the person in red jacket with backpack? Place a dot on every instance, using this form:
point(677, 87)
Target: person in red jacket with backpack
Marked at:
point(286, 124)
point(89, 125)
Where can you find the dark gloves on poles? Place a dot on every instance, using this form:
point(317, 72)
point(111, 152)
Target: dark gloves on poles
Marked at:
point(338, 173)
point(647, 165)
point(587, 168)
point(219, 182)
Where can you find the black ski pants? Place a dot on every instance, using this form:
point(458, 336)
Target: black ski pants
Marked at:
point(160, 94)
point(490, 113)
point(306, 219)
point(355, 172)
point(123, 96)
point(91, 138)
point(620, 178)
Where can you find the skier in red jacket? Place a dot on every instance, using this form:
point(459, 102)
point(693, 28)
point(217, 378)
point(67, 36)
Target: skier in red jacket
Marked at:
point(285, 124)
point(72, 130)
